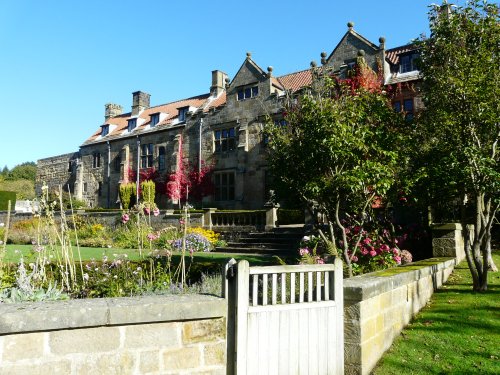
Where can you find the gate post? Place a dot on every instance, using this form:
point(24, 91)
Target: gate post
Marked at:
point(242, 295)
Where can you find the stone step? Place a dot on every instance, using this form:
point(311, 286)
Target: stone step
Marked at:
point(261, 245)
point(252, 250)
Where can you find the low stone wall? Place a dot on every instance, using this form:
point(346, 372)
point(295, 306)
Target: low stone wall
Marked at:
point(112, 218)
point(378, 305)
point(148, 335)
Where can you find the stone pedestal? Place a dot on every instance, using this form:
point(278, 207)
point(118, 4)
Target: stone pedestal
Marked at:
point(447, 241)
point(207, 217)
point(271, 217)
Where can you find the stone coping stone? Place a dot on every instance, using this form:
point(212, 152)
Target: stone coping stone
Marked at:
point(57, 315)
point(446, 226)
point(369, 285)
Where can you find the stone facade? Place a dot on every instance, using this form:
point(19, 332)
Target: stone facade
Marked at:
point(223, 128)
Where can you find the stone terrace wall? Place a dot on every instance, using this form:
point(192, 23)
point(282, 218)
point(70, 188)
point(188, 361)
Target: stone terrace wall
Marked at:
point(147, 335)
point(378, 305)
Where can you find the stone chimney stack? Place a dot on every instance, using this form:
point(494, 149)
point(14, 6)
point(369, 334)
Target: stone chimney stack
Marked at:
point(218, 82)
point(140, 102)
point(112, 110)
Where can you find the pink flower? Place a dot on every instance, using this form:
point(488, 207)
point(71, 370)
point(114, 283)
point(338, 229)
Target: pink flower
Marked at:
point(181, 221)
point(395, 251)
point(373, 253)
point(385, 247)
point(354, 258)
point(364, 251)
point(156, 212)
point(319, 260)
point(152, 237)
point(125, 218)
point(146, 210)
point(367, 241)
point(397, 259)
point(303, 251)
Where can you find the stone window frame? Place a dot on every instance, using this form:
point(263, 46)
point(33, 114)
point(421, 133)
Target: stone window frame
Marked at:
point(162, 158)
point(147, 152)
point(96, 160)
point(224, 184)
point(406, 106)
point(247, 92)
point(224, 140)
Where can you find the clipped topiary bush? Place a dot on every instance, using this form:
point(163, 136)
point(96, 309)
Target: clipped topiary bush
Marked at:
point(127, 191)
point(5, 197)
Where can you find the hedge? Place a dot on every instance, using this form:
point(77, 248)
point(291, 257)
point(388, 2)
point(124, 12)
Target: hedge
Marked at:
point(5, 197)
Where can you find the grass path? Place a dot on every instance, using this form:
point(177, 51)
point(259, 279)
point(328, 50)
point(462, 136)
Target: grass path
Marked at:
point(458, 332)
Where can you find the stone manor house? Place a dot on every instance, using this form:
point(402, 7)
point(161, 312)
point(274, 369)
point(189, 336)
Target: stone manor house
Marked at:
point(223, 126)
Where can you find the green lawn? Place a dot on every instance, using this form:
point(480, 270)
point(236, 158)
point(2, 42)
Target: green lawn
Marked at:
point(458, 332)
point(14, 252)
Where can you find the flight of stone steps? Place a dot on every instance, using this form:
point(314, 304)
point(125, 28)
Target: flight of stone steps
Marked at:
point(282, 241)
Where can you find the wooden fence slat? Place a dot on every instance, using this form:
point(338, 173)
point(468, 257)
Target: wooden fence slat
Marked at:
point(292, 287)
point(283, 288)
point(255, 290)
point(274, 289)
point(264, 289)
point(301, 287)
point(310, 286)
point(318, 286)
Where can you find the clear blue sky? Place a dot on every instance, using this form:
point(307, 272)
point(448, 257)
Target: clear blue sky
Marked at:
point(61, 61)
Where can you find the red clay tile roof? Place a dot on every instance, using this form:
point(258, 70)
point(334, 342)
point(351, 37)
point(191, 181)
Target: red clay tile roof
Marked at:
point(172, 109)
point(217, 102)
point(392, 55)
point(296, 81)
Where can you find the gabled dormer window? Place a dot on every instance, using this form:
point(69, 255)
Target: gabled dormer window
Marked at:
point(182, 113)
point(248, 92)
point(155, 119)
point(104, 130)
point(408, 62)
point(132, 124)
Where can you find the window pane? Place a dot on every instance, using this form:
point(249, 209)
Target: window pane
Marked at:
point(397, 106)
point(255, 91)
point(231, 144)
point(231, 132)
point(248, 93)
point(240, 95)
point(217, 134)
point(408, 105)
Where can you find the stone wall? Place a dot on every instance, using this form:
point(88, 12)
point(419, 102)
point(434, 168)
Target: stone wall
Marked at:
point(378, 305)
point(147, 335)
point(55, 171)
point(112, 218)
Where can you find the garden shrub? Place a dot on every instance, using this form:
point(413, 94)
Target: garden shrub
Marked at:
point(148, 193)
point(127, 191)
point(5, 197)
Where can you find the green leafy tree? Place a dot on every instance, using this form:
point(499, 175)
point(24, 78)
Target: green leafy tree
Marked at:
point(24, 171)
point(460, 127)
point(338, 151)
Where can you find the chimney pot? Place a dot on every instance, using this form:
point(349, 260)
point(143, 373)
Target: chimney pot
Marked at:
point(140, 102)
point(112, 110)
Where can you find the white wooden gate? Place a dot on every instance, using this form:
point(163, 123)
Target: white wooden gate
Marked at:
point(286, 320)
